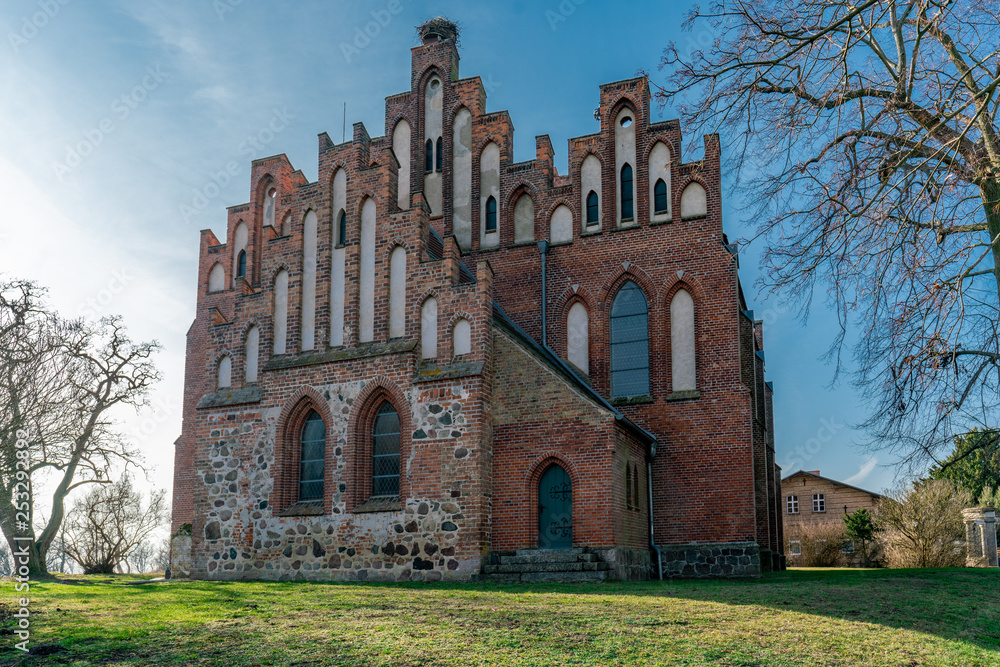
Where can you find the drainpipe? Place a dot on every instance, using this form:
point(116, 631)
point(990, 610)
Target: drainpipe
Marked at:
point(649, 490)
point(543, 247)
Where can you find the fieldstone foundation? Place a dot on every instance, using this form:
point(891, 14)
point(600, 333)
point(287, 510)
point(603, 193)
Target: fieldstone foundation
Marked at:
point(981, 536)
point(628, 564)
point(725, 559)
point(180, 555)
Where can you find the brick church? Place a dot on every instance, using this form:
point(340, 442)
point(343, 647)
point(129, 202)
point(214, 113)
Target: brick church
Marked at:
point(435, 362)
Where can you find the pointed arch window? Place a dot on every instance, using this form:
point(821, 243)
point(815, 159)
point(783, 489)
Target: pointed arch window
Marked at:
point(429, 155)
point(629, 342)
point(660, 204)
point(592, 208)
point(342, 229)
point(241, 264)
point(628, 208)
point(491, 214)
point(311, 457)
point(385, 452)
point(439, 161)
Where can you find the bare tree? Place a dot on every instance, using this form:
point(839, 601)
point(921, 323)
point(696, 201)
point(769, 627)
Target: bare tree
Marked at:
point(58, 381)
point(161, 562)
point(867, 148)
point(921, 525)
point(107, 526)
point(142, 557)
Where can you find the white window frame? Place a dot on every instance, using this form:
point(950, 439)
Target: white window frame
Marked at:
point(794, 547)
point(792, 504)
point(819, 503)
point(847, 547)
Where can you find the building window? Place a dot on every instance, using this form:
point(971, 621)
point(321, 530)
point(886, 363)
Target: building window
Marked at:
point(792, 502)
point(592, 208)
point(794, 548)
point(439, 162)
point(270, 202)
point(224, 378)
point(342, 229)
point(819, 502)
point(660, 197)
point(628, 486)
point(819, 545)
point(241, 264)
point(629, 342)
point(491, 214)
point(635, 486)
point(628, 210)
point(429, 155)
point(311, 457)
point(385, 452)
point(847, 547)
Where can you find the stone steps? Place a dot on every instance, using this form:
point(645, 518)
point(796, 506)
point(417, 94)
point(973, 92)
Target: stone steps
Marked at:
point(545, 565)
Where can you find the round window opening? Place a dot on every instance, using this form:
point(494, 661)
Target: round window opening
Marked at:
point(434, 84)
point(626, 121)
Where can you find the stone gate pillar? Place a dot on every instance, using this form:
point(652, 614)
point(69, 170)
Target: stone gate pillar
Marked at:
point(981, 536)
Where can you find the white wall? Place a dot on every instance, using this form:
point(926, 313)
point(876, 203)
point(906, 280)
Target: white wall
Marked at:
point(561, 225)
point(590, 180)
point(310, 227)
point(489, 186)
point(682, 346)
point(625, 152)
point(397, 293)
point(694, 203)
point(366, 281)
point(659, 167)
point(252, 354)
point(524, 219)
point(401, 147)
point(433, 127)
point(338, 268)
point(225, 377)
point(428, 329)
point(281, 312)
point(217, 278)
point(462, 337)
point(461, 205)
point(240, 242)
point(578, 337)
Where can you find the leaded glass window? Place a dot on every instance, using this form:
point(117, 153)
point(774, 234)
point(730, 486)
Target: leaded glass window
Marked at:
point(660, 197)
point(629, 342)
point(429, 155)
point(241, 264)
point(491, 214)
point(385, 452)
point(342, 229)
point(439, 162)
point(628, 212)
point(311, 458)
point(592, 208)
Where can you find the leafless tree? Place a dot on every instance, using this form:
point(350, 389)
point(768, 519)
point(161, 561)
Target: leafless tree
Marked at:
point(921, 525)
point(107, 526)
point(142, 558)
point(59, 380)
point(866, 145)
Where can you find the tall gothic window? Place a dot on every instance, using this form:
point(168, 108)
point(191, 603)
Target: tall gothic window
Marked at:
point(385, 452)
point(629, 342)
point(491, 214)
point(628, 210)
point(241, 264)
point(429, 155)
point(342, 229)
point(311, 457)
point(592, 208)
point(660, 197)
point(439, 162)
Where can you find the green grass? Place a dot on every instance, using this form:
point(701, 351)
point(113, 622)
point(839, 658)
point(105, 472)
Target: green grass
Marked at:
point(805, 617)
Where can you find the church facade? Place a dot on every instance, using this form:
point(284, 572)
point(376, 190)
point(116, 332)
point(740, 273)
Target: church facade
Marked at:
point(435, 356)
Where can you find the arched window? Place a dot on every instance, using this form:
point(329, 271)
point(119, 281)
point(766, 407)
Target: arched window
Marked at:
point(312, 457)
point(217, 279)
point(439, 162)
point(428, 329)
point(524, 219)
point(252, 354)
point(628, 210)
point(270, 202)
point(694, 201)
point(629, 342)
point(660, 197)
point(342, 229)
point(462, 337)
point(578, 337)
point(385, 452)
point(401, 147)
point(225, 375)
point(429, 155)
point(240, 243)
point(592, 208)
point(491, 214)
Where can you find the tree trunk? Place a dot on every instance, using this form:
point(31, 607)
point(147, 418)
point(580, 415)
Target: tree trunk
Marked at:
point(990, 191)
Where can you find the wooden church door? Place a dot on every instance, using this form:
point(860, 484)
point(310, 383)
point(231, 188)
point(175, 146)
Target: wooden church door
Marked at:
point(555, 509)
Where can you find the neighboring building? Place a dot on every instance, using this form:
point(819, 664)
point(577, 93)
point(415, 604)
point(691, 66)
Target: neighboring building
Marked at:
point(816, 506)
point(386, 378)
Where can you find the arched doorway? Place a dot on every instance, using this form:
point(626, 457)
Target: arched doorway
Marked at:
point(555, 509)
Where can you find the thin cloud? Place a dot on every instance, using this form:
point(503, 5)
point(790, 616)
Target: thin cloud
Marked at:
point(866, 469)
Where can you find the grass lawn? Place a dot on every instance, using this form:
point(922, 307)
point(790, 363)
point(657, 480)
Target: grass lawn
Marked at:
point(803, 617)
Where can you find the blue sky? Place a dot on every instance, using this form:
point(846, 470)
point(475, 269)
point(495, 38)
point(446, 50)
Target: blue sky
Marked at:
point(120, 117)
